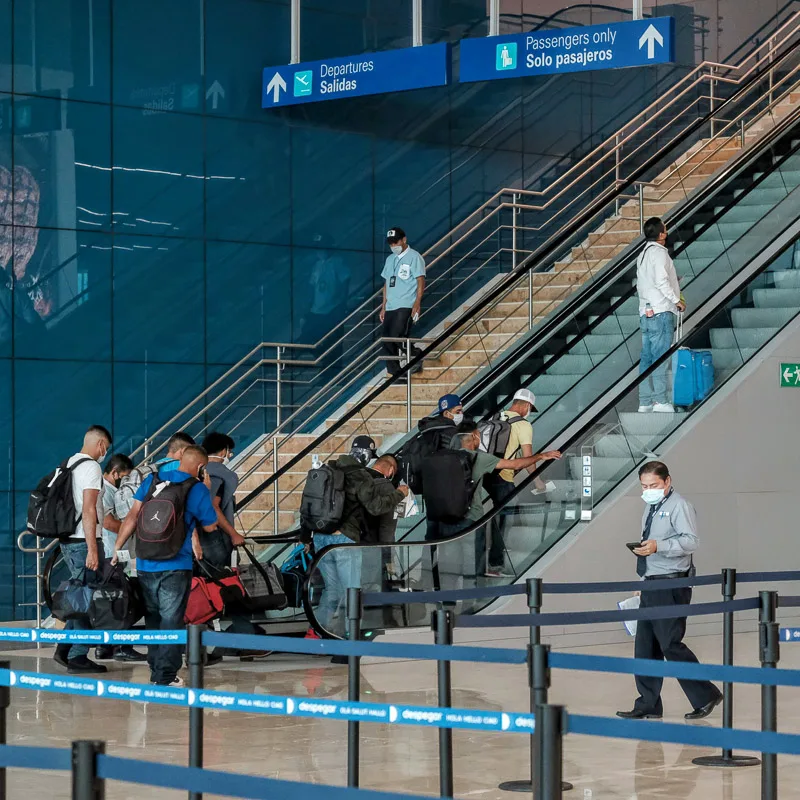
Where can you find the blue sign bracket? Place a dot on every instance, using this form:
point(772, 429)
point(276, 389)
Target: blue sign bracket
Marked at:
point(355, 76)
point(622, 44)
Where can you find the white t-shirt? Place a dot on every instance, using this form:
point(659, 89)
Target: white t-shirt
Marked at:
point(88, 475)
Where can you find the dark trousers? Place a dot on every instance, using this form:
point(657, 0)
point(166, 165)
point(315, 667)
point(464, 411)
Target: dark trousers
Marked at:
point(165, 597)
point(663, 639)
point(498, 490)
point(397, 324)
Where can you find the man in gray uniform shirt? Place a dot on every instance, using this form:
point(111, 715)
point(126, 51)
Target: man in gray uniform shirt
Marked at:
point(669, 537)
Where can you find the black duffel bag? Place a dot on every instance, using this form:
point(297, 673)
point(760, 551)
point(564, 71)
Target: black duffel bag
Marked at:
point(263, 586)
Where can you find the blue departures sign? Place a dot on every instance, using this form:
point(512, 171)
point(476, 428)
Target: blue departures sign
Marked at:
point(354, 76)
point(622, 44)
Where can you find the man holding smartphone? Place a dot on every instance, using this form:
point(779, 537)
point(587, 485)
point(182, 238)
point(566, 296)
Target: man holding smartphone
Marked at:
point(404, 285)
point(669, 538)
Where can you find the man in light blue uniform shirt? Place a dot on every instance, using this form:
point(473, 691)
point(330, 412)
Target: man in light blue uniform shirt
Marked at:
point(404, 285)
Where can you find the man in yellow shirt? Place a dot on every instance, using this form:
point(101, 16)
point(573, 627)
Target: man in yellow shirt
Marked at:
point(499, 485)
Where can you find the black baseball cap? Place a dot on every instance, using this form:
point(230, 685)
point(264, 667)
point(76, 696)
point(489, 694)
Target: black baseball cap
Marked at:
point(365, 443)
point(394, 235)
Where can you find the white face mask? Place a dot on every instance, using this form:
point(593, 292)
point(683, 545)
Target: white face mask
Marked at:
point(458, 418)
point(653, 496)
point(397, 249)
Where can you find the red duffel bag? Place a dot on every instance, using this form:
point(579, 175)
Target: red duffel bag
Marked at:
point(211, 592)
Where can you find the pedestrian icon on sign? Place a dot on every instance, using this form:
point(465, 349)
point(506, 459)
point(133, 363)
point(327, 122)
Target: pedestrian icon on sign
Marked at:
point(507, 55)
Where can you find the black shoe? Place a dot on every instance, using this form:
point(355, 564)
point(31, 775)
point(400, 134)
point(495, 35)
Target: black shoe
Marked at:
point(61, 655)
point(212, 659)
point(637, 714)
point(104, 652)
point(704, 711)
point(127, 655)
point(340, 660)
point(84, 664)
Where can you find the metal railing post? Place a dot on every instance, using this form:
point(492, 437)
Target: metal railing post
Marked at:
point(278, 398)
point(616, 172)
point(712, 83)
point(275, 493)
point(443, 629)
point(641, 208)
point(530, 299)
point(416, 23)
point(769, 654)
point(354, 612)
point(494, 17)
point(550, 731)
point(771, 69)
point(743, 133)
point(409, 393)
point(85, 783)
point(195, 655)
point(295, 31)
point(515, 200)
point(638, 12)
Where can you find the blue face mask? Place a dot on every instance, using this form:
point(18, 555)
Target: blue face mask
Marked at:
point(653, 496)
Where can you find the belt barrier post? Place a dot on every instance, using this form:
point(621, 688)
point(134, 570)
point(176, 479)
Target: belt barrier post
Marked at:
point(442, 624)
point(5, 701)
point(354, 610)
point(549, 733)
point(769, 653)
point(195, 656)
point(85, 783)
point(727, 759)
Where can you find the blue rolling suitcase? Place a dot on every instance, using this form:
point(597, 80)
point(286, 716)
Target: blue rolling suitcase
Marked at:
point(692, 373)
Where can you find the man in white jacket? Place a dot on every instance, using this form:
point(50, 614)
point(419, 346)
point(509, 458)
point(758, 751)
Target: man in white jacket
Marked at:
point(659, 303)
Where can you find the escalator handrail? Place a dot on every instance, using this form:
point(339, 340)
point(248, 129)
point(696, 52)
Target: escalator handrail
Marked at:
point(547, 249)
point(712, 306)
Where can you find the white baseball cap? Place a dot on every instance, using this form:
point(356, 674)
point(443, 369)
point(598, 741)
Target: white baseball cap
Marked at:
point(527, 396)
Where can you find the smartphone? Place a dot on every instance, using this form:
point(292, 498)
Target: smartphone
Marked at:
point(201, 474)
point(633, 545)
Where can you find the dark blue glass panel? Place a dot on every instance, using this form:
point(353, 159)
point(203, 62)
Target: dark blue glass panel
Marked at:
point(158, 52)
point(5, 45)
point(8, 555)
point(146, 396)
point(332, 188)
point(6, 426)
point(62, 176)
point(159, 295)
point(244, 37)
point(329, 284)
point(249, 298)
point(63, 47)
point(55, 402)
point(68, 287)
point(248, 191)
point(412, 190)
point(478, 174)
point(158, 173)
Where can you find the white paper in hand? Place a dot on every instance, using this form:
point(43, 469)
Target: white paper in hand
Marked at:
point(629, 605)
point(407, 508)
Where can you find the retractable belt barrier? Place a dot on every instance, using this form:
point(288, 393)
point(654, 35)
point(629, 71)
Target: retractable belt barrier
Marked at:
point(549, 723)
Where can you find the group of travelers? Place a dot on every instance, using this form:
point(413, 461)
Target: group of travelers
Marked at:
point(188, 496)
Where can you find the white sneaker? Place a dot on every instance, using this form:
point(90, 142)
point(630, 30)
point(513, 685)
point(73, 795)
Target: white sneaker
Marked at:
point(550, 486)
point(664, 408)
point(645, 409)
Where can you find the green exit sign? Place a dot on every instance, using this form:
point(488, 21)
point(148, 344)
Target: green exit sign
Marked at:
point(790, 375)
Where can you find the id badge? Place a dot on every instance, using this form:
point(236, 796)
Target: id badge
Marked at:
point(392, 281)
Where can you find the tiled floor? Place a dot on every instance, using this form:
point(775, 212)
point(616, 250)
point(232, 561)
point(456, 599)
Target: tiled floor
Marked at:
point(399, 759)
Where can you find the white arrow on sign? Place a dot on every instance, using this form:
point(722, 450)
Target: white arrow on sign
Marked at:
point(215, 92)
point(787, 374)
point(276, 85)
point(650, 37)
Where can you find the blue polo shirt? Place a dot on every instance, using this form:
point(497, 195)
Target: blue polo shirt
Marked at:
point(199, 508)
point(402, 271)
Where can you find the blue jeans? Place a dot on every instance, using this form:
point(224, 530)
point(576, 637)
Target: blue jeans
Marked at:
point(341, 570)
point(75, 558)
point(165, 597)
point(657, 335)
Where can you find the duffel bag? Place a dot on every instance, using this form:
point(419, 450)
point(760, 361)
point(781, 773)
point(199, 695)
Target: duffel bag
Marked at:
point(72, 600)
point(263, 587)
point(211, 593)
point(117, 603)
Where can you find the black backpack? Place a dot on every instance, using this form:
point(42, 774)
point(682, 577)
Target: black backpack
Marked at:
point(434, 434)
point(51, 506)
point(322, 504)
point(117, 602)
point(161, 525)
point(495, 433)
point(449, 487)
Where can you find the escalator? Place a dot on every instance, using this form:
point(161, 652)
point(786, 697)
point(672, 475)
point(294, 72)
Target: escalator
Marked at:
point(736, 251)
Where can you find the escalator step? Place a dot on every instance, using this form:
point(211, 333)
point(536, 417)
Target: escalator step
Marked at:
point(777, 298)
point(787, 279)
point(761, 317)
point(729, 359)
point(742, 337)
point(648, 425)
